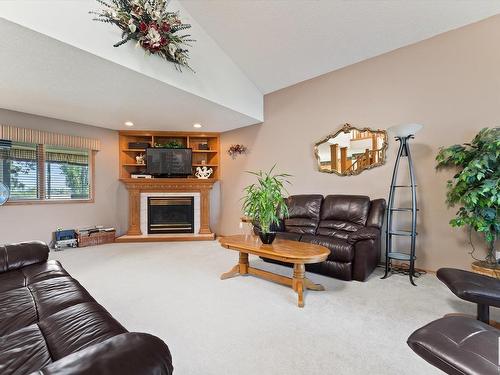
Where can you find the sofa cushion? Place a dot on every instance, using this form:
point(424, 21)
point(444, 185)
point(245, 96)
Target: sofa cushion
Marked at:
point(301, 225)
point(53, 295)
point(78, 327)
point(303, 213)
point(346, 208)
point(11, 280)
point(339, 229)
point(43, 271)
point(31, 274)
point(17, 310)
point(23, 351)
point(304, 206)
point(341, 251)
point(18, 255)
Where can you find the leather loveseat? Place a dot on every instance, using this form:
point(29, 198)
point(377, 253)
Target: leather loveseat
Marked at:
point(49, 324)
point(349, 225)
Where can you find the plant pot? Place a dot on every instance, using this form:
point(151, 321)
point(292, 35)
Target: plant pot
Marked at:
point(267, 238)
point(485, 268)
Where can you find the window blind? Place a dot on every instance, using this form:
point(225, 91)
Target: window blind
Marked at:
point(43, 172)
point(19, 169)
point(66, 173)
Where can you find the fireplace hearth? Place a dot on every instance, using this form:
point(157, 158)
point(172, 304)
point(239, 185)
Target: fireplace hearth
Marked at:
point(170, 215)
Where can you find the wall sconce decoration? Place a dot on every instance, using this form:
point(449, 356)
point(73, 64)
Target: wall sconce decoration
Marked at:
point(236, 150)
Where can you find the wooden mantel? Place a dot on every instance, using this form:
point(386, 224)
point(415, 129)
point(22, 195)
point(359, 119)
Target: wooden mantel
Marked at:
point(137, 186)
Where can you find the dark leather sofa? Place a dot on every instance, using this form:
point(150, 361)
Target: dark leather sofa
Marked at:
point(50, 325)
point(349, 225)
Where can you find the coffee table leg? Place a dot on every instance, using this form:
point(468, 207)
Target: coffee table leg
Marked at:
point(243, 263)
point(240, 269)
point(235, 271)
point(312, 286)
point(298, 282)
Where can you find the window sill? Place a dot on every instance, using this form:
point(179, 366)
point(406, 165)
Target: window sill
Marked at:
point(47, 201)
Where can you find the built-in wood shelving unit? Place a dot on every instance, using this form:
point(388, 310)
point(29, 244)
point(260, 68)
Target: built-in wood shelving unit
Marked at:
point(209, 158)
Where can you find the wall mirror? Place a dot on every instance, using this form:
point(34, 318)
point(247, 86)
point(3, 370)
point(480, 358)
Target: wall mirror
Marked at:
point(350, 150)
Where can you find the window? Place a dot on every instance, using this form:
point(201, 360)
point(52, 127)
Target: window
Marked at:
point(36, 172)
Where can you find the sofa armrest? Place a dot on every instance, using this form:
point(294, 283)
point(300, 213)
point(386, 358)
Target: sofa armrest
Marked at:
point(377, 213)
point(367, 233)
point(18, 255)
point(127, 353)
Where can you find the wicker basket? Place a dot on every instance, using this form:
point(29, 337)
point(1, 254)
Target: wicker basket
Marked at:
point(97, 238)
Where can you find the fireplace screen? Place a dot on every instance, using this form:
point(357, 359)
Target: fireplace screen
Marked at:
point(170, 215)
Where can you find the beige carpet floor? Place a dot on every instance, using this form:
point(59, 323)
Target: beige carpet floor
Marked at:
point(249, 326)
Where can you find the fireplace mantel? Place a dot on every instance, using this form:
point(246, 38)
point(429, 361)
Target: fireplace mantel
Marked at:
point(137, 186)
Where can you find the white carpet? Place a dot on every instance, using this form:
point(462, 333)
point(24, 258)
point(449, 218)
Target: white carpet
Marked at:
point(245, 325)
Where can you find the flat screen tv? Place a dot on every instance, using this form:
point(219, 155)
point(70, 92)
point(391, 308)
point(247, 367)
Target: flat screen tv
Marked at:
point(169, 162)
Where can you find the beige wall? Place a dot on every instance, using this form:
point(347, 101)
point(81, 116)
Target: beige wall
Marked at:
point(450, 83)
point(38, 221)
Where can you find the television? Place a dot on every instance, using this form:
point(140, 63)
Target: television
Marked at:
point(169, 162)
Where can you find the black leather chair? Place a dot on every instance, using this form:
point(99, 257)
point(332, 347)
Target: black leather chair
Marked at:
point(458, 345)
point(472, 287)
point(461, 345)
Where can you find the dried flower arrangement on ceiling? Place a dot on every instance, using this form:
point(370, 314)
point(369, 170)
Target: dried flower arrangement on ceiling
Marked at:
point(149, 23)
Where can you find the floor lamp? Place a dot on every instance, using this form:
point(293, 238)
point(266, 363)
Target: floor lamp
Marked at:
point(403, 134)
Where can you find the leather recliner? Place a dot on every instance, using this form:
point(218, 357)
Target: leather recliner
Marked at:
point(349, 225)
point(50, 325)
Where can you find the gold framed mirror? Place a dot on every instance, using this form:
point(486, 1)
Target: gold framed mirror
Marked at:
point(351, 150)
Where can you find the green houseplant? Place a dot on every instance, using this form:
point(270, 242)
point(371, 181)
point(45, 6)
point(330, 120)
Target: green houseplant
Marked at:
point(476, 185)
point(264, 202)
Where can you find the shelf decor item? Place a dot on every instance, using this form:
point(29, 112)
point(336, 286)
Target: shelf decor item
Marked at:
point(403, 134)
point(139, 159)
point(203, 172)
point(237, 149)
point(149, 23)
point(476, 186)
point(171, 144)
point(264, 203)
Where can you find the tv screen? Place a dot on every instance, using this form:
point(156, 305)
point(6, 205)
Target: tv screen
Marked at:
point(169, 161)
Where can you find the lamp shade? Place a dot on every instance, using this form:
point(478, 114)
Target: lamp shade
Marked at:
point(404, 130)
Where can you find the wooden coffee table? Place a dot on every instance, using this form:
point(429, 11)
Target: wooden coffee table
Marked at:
point(297, 253)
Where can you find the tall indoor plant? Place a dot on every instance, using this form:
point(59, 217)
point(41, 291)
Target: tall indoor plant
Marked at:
point(264, 202)
point(476, 185)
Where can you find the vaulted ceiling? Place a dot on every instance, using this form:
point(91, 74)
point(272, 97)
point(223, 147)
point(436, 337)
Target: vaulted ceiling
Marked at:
point(279, 43)
point(57, 62)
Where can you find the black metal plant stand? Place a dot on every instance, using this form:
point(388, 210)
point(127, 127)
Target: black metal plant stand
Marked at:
point(390, 253)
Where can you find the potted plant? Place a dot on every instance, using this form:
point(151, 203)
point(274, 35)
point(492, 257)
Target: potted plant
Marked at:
point(264, 203)
point(476, 185)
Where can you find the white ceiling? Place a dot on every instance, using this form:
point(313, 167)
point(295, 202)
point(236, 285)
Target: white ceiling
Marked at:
point(49, 78)
point(279, 43)
point(57, 62)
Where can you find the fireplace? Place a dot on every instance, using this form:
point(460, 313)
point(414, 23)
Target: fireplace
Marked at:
point(170, 215)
